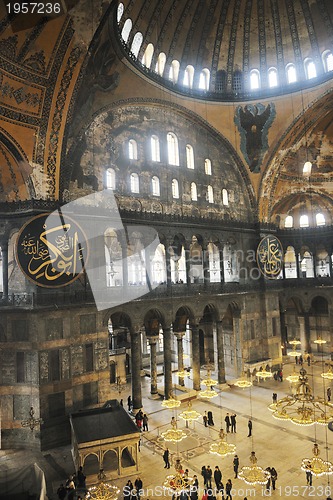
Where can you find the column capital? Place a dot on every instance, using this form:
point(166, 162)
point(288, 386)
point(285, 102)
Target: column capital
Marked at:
point(179, 335)
point(152, 339)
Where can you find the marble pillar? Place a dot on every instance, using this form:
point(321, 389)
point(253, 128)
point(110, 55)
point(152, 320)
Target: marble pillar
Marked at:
point(220, 353)
point(180, 355)
point(196, 358)
point(167, 362)
point(136, 369)
point(153, 364)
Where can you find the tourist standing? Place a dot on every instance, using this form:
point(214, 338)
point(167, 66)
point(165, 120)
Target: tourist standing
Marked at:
point(227, 422)
point(233, 422)
point(236, 465)
point(249, 425)
point(166, 458)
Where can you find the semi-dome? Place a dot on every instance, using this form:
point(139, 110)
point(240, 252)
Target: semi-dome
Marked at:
point(231, 49)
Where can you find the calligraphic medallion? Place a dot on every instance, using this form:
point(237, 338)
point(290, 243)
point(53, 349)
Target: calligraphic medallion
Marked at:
point(52, 250)
point(270, 257)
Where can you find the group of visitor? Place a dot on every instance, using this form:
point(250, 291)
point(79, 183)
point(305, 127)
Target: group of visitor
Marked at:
point(74, 488)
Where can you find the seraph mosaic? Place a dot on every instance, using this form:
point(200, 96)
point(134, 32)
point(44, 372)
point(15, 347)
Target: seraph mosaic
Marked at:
point(253, 122)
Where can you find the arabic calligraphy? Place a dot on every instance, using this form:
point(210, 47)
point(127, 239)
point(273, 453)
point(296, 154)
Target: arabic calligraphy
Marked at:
point(51, 251)
point(270, 257)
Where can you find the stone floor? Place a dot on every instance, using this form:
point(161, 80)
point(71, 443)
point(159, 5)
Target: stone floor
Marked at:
point(277, 444)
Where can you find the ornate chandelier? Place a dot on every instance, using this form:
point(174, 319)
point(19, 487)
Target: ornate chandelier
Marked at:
point(178, 483)
point(175, 435)
point(209, 382)
point(209, 392)
point(221, 447)
point(190, 415)
point(183, 373)
point(243, 382)
point(316, 465)
point(328, 375)
point(294, 353)
point(32, 422)
point(264, 374)
point(293, 378)
point(104, 491)
point(303, 408)
point(171, 403)
point(254, 474)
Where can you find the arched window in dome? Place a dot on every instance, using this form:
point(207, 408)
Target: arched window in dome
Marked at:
point(126, 30)
point(174, 71)
point(159, 68)
point(220, 81)
point(155, 148)
point(272, 77)
point(328, 60)
point(204, 79)
point(291, 73)
point(188, 76)
point(110, 179)
point(175, 188)
point(225, 197)
point(237, 81)
point(148, 55)
point(173, 153)
point(189, 157)
point(194, 193)
point(304, 221)
point(310, 69)
point(136, 43)
point(208, 167)
point(134, 182)
point(155, 185)
point(289, 221)
point(132, 150)
point(307, 167)
point(320, 219)
point(120, 11)
point(290, 263)
point(210, 194)
point(254, 79)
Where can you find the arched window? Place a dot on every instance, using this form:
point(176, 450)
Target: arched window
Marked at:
point(304, 221)
point(204, 79)
point(194, 193)
point(174, 71)
point(328, 60)
point(136, 44)
point(188, 76)
point(320, 220)
point(272, 77)
point(110, 179)
point(225, 197)
point(175, 188)
point(159, 68)
point(310, 69)
point(134, 183)
point(173, 153)
point(132, 150)
point(208, 167)
point(189, 157)
point(307, 168)
point(254, 79)
point(291, 73)
point(126, 30)
point(210, 194)
point(120, 11)
point(289, 221)
point(155, 185)
point(148, 55)
point(220, 80)
point(155, 148)
point(237, 81)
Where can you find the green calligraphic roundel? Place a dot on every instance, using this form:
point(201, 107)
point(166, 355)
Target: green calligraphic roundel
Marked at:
point(270, 257)
point(52, 250)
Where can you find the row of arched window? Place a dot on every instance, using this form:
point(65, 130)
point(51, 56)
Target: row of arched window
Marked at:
point(172, 152)
point(304, 220)
point(156, 190)
point(204, 76)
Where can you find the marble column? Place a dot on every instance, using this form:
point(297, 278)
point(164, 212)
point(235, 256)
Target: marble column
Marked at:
point(307, 332)
point(180, 355)
point(220, 353)
point(136, 369)
point(237, 326)
point(221, 262)
point(187, 265)
point(330, 262)
point(123, 244)
point(4, 251)
point(195, 358)
point(167, 362)
point(205, 264)
point(153, 365)
point(168, 264)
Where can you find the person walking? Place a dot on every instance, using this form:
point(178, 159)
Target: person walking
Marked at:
point(204, 475)
point(129, 403)
point(268, 484)
point(308, 474)
point(236, 465)
point(329, 393)
point(209, 474)
point(217, 477)
point(145, 422)
point(61, 492)
point(166, 458)
point(227, 422)
point(273, 477)
point(138, 486)
point(194, 488)
point(228, 488)
point(205, 419)
point(274, 397)
point(210, 418)
point(233, 422)
point(249, 425)
point(127, 490)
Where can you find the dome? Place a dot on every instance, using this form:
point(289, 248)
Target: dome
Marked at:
point(230, 50)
